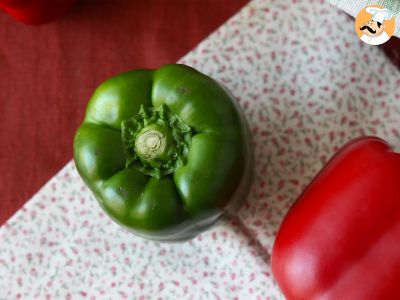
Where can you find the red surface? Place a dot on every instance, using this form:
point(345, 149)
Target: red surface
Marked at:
point(48, 73)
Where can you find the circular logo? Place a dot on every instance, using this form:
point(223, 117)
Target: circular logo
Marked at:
point(375, 25)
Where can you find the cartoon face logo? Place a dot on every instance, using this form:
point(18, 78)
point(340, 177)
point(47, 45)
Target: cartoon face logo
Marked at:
point(373, 28)
point(375, 25)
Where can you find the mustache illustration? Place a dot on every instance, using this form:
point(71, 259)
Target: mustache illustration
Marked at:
point(368, 28)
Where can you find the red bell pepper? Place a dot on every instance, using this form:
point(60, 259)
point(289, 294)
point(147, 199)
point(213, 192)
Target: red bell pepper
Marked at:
point(35, 12)
point(341, 239)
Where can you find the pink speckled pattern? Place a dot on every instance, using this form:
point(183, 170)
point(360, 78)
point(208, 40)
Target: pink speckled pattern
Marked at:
point(306, 84)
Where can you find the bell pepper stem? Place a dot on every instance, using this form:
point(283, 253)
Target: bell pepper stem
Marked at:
point(156, 141)
point(153, 143)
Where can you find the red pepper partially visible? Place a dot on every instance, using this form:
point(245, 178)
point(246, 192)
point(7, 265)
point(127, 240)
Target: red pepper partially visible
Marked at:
point(341, 239)
point(35, 12)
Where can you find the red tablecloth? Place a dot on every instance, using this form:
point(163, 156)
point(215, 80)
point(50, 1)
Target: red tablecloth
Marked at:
point(48, 73)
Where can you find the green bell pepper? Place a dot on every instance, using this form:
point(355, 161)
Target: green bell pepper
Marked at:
point(165, 152)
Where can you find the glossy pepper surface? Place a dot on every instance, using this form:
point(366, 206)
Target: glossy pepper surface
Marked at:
point(341, 239)
point(165, 152)
point(35, 12)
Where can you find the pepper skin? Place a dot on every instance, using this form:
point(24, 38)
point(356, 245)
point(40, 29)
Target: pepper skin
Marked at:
point(341, 239)
point(165, 152)
point(35, 12)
